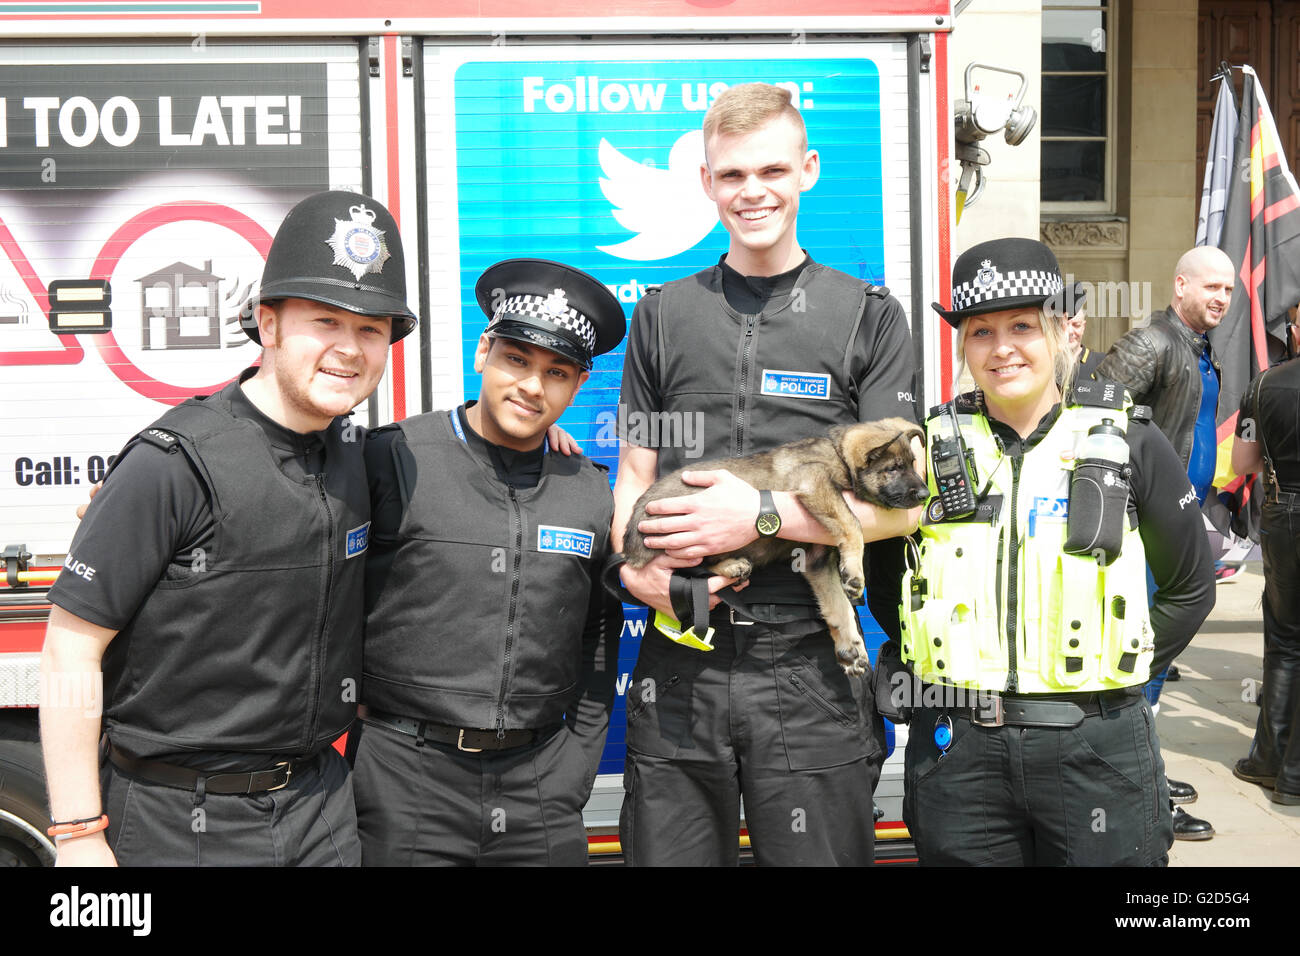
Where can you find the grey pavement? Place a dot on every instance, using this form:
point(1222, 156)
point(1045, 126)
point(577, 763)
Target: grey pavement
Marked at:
point(1206, 722)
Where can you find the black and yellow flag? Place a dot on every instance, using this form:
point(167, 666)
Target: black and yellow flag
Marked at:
point(1261, 234)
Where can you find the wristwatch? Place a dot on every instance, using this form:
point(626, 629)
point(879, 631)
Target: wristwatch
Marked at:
point(768, 522)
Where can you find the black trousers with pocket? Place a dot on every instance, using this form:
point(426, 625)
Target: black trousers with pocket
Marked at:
point(1091, 795)
point(768, 716)
point(432, 805)
point(310, 822)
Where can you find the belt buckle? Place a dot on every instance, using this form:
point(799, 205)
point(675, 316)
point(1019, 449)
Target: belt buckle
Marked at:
point(731, 615)
point(288, 772)
point(989, 712)
point(460, 744)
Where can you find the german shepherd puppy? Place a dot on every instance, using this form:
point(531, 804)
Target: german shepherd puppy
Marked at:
point(872, 460)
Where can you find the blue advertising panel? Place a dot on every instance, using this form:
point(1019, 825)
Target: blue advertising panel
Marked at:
point(595, 163)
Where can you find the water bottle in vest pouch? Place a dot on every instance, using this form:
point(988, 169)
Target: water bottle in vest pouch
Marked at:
point(1099, 494)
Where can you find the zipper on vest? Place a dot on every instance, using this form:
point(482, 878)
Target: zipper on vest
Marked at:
point(318, 650)
point(1013, 573)
point(997, 580)
point(517, 525)
point(742, 387)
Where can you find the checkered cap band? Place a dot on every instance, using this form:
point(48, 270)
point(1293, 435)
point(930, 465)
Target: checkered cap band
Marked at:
point(1006, 285)
point(543, 307)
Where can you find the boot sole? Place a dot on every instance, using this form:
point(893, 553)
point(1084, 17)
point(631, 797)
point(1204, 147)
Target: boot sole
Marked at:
point(1286, 799)
point(1258, 779)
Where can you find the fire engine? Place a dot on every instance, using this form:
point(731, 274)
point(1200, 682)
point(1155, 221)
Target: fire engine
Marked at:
point(148, 153)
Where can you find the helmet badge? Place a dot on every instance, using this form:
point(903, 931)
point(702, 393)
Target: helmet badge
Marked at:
point(987, 274)
point(358, 246)
point(557, 303)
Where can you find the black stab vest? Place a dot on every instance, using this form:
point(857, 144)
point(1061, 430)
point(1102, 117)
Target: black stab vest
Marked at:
point(256, 647)
point(479, 622)
point(732, 369)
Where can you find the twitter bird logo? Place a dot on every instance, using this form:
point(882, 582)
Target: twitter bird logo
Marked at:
point(666, 208)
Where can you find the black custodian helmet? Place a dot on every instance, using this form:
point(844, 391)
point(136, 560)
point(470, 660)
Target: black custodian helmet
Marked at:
point(342, 249)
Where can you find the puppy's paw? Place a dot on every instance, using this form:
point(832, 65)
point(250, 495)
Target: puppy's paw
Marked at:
point(854, 660)
point(852, 582)
point(738, 568)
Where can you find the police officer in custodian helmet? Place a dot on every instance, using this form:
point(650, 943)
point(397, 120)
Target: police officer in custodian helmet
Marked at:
point(229, 631)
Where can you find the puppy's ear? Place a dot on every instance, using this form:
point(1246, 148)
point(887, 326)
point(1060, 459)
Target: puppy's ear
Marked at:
point(883, 448)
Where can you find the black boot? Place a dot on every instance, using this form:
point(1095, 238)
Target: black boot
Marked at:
point(1188, 827)
point(1180, 792)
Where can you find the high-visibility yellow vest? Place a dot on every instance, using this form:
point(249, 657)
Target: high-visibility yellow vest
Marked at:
point(994, 603)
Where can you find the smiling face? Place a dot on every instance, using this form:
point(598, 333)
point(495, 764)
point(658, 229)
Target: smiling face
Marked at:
point(1013, 359)
point(525, 389)
point(318, 362)
point(755, 179)
point(1202, 293)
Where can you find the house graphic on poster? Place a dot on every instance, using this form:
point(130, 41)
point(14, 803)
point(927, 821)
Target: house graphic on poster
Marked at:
point(180, 308)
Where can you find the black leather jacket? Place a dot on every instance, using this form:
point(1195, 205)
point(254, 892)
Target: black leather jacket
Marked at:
point(1160, 366)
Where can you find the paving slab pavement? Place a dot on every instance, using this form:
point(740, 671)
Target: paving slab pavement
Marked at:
point(1206, 723)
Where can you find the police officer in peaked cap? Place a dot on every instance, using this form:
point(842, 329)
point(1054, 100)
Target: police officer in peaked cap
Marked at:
point(491, 648)
point(229, 633)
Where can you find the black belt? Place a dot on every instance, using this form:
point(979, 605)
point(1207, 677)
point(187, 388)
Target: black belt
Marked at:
point(1046, 710)
point(466, 739)
point(187, 778)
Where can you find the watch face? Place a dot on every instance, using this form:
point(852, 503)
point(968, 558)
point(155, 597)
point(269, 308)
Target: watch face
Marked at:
point(768, 524)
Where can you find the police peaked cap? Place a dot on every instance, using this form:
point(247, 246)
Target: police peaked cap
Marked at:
point(1002, 274)
point(551, 305)
point(341, 249)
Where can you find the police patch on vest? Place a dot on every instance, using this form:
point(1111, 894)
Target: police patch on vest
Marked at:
point(358, 540)
point(796, 384)
point(564, 540)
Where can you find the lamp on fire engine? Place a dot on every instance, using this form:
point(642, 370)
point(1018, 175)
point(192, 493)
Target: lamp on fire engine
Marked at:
point(980, 115)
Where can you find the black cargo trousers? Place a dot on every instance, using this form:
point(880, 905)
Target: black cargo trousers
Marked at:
point(768, 715)
point(1090, 795)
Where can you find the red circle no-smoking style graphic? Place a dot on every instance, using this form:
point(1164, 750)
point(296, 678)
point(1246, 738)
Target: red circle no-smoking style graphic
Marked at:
point(130, 231)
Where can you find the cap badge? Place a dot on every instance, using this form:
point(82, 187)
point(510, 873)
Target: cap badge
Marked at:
point(358, 246)
point(557, 303)
point(987, 274)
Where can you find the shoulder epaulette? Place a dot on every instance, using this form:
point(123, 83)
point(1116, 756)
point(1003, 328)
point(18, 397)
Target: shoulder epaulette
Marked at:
point(160, 438)
point(604, 468)
point(650, 290)
point(1140, 413)
point(1098, 393)
point(879, 291)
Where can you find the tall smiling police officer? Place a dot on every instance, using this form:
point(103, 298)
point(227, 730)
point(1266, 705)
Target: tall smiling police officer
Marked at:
point(491, 648)
point(224, 599)
point(765, 347)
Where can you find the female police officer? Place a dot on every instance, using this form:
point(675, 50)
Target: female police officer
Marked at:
point(1024, 616)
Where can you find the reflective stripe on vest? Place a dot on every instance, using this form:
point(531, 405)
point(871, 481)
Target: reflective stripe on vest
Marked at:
point(1079, 626)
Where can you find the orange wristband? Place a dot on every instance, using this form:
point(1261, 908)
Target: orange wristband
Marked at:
point(78, 828)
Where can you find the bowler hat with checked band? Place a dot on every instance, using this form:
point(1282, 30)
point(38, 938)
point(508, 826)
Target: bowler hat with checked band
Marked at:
point(1002, 274)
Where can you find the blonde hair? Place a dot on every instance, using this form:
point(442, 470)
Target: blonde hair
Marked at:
point(744, 108)
point(1058, 347)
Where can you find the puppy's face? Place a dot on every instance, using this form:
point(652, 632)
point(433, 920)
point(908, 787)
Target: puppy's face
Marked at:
point(879, 454)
